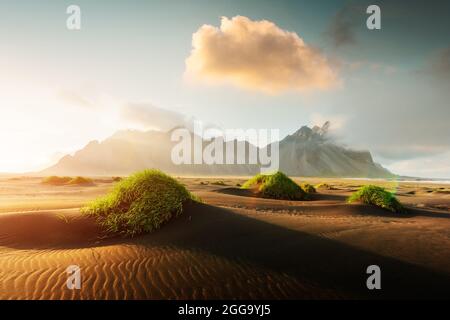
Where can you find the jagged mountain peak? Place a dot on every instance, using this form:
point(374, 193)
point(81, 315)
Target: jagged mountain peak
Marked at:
point(307, 152)
point(315, 133)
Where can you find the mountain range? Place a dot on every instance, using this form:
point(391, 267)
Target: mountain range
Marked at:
point(307, 152)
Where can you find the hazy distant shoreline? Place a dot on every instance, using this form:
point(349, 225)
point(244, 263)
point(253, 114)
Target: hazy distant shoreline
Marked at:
point(407, 180)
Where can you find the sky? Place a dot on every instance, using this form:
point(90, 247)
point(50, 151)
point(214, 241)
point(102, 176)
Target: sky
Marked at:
point(235, 64)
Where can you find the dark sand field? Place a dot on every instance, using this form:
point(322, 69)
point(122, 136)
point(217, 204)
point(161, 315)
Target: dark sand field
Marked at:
point(232, 246)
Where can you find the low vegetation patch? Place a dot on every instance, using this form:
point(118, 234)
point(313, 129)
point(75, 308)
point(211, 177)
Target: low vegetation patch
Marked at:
point(16, 178)
point(62, 181)
point(56, 181)
point(140, 203)
point(308, 188)
point(81, 181)
point(276, 186)
point(442, 190)
point(325, 186)
point(377, 196)
point(219, 183)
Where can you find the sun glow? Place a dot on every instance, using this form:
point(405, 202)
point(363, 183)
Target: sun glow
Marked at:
point(37, 127)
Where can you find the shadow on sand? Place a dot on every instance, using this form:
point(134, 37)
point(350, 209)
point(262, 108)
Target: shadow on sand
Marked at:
point(315, 198)
point(331, 264)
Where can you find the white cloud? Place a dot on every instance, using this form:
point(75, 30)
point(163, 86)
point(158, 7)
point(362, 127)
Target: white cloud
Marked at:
point(257, 55)
point(431, 167)
point(146, 116)
point(337, 122)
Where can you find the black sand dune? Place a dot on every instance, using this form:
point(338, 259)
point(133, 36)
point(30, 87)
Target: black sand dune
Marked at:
point(234, 246)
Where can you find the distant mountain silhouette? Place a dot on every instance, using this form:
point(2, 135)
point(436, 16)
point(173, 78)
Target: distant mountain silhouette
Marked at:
point(310, 152)
point(307, 152)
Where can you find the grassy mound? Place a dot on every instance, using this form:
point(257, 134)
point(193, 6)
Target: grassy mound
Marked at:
point(276, 186)
point(308, 188)
point(81, 181)
point(325, 186)
point(377, 196)
point(62, 181)
point(140, 203)
point(56, 181)
point(219, 183)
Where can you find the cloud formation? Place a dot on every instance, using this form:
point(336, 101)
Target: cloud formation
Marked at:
point(257, 55)
point(437, 166)
point(439, 65)
point(342, 27)
point(147, 116)
point(402, 122)
point(75, 99)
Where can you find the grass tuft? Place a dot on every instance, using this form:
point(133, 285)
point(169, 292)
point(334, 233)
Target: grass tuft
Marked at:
point(325, 186)
point(56, 181)
point(308, 188)
point(62, 181)
point(377, 196)
point(276, 186)
point(140, 203)
point(219, 183)
point(81, 181)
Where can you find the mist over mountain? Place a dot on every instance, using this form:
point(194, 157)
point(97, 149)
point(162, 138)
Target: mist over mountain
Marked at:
point(311, 152)
point(307, 152)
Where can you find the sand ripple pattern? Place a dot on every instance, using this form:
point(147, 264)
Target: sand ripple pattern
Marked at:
point(137, 272)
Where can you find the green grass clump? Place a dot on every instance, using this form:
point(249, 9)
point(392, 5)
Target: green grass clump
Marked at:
point(62, 181)
point(56, 181)
point(81, 181)
point(219, 183)
point(377, 196)
point(140, 203)
point(324, 186)
point(276, 186)
point(308, 188)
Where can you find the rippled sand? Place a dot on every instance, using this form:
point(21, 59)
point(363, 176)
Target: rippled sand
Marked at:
point(233, 246)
